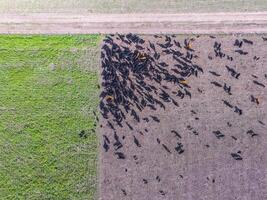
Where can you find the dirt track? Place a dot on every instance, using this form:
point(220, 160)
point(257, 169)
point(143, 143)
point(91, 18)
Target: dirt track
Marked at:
point(196, 23)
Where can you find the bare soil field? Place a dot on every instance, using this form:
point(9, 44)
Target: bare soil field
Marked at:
point(183, 117)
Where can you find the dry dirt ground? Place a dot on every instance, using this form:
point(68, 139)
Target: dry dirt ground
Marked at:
point(184, 117)
point(142, 23)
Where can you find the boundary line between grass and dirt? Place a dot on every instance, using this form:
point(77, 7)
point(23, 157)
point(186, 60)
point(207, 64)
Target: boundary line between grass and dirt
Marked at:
point(187, 23)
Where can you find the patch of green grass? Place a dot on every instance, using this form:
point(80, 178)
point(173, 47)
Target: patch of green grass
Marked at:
point(48, 92)
point(132, 6)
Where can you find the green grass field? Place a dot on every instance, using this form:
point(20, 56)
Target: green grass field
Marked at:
point(132, 6)
point(48, 92)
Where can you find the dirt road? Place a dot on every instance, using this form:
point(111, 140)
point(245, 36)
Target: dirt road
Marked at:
point(189, 23)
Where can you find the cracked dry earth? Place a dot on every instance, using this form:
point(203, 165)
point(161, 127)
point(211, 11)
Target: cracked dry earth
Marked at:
point(183, 117)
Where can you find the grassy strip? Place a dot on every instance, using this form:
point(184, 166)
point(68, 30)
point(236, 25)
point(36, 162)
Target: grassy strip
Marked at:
point(48, 92)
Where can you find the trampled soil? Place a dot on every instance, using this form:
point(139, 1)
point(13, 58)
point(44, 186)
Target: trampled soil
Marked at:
point(183, 117)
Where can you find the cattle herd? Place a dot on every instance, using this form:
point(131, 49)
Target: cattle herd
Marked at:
point(144, 78)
